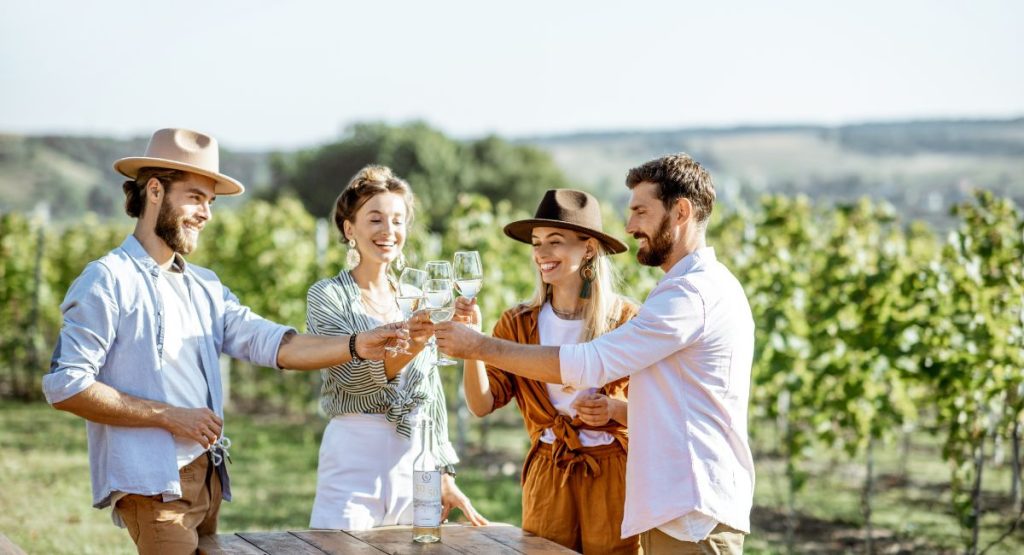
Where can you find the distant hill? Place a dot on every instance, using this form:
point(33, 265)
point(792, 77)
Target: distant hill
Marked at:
point(70, 174)
point(922, 167)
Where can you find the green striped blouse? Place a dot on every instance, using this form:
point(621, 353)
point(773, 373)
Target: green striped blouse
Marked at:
point(334, 306)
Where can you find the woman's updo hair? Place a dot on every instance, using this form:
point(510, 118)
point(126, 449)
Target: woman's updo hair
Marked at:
point(364, 185)
point(135, 189)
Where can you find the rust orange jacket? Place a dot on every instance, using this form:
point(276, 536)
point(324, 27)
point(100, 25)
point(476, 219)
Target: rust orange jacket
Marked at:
point(519, 324)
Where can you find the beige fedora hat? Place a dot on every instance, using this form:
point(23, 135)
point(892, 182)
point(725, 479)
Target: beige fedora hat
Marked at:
point(182, 149)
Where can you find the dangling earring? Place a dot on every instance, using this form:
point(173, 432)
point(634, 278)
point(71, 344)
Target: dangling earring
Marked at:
point(588, 274)
point(399, 262)
point(352, 258)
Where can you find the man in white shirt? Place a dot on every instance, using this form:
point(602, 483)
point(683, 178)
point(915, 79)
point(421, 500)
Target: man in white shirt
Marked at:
point(689, 473)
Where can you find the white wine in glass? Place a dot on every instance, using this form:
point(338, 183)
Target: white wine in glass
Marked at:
point(409, 304)
point(410, 295)
point(438, 297)
point(469, 273)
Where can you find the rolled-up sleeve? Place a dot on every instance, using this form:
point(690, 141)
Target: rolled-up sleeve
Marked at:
point(672, 318)
point(248, 336)
point(90, 322)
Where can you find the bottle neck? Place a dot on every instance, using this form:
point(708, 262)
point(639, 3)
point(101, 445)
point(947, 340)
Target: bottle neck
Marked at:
point(425, 436)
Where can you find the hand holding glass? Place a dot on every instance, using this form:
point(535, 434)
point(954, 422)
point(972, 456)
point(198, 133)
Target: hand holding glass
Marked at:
point(438, 296)
point(409, 297)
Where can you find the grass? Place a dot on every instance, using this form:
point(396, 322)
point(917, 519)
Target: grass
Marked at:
point(45, 499)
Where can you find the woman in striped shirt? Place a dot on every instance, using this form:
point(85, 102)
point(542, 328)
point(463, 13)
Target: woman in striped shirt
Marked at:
point(364, 477)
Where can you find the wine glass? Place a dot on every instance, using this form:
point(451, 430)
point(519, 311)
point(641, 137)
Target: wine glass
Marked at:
point(469, 273)
point(438, 295)
point(409, 297)
point(439, 269)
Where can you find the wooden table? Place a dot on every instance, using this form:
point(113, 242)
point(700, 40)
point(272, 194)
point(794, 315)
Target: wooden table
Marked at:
point(455, 539)
point(7, 547)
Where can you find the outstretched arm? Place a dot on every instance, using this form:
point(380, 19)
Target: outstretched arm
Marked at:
point(313, 352)
point(535, 362)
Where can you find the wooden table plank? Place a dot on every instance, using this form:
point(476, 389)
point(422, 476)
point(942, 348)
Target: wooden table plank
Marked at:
point(282, 543)
point(524, 542)
point(226, 544)
point(468, 539)
point(8, 547)
point(398, 541)
point(455, 540)
point(337, 541)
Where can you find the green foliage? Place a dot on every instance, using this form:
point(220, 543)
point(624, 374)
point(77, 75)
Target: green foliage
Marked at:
point(20, 292)
point(975, 364)
point(37, 265)
point(865, 326)
point(437, 167)
point(857, 309)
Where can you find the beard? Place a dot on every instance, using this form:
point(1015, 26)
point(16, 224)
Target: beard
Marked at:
point(658, 247)
point(170, 226)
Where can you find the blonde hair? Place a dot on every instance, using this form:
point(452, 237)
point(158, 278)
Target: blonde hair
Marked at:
point(602, 311)
point(367, 183)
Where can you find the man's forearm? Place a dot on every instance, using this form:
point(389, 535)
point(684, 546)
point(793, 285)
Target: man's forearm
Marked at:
point(106, 405)
point(312, 352)
point(535, 362)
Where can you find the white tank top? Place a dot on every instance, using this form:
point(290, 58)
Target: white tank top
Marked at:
point(555, 331)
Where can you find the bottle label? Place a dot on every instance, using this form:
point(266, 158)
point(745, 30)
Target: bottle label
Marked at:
point(426, 498)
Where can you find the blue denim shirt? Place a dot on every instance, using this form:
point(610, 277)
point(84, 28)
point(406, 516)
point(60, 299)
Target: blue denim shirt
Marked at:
point(113, 333)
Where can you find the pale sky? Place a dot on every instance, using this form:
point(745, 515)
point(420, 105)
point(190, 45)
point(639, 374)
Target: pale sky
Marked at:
point(261, 74)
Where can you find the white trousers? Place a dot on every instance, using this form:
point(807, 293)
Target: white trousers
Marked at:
point(364, 478)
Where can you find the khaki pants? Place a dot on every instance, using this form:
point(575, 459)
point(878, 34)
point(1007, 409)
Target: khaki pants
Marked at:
point(174, 527)
point(723, 540)
point(581, 510)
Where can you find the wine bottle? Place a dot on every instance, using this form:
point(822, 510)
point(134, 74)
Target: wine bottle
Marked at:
point(426, 490)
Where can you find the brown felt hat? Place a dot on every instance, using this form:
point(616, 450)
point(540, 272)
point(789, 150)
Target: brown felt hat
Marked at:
point(567, 209)
point(181, 149)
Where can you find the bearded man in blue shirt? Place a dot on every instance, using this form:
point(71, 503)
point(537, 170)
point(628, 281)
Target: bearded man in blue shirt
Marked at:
point(138, 353)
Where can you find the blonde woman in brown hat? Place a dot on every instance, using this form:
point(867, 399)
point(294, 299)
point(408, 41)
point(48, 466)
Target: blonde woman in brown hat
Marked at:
point(574, 474)
point(364, 476)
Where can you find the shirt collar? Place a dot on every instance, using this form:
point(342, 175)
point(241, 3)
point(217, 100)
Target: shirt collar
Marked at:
point(695, 259)
point(134, 248)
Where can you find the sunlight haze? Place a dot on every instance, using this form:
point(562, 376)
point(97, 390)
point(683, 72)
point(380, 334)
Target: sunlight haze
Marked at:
point(276, 74)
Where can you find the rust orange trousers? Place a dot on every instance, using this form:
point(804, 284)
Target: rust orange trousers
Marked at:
point(578, 502)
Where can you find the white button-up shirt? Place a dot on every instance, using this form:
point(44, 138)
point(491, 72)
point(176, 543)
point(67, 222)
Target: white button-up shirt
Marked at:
point(688, 354)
